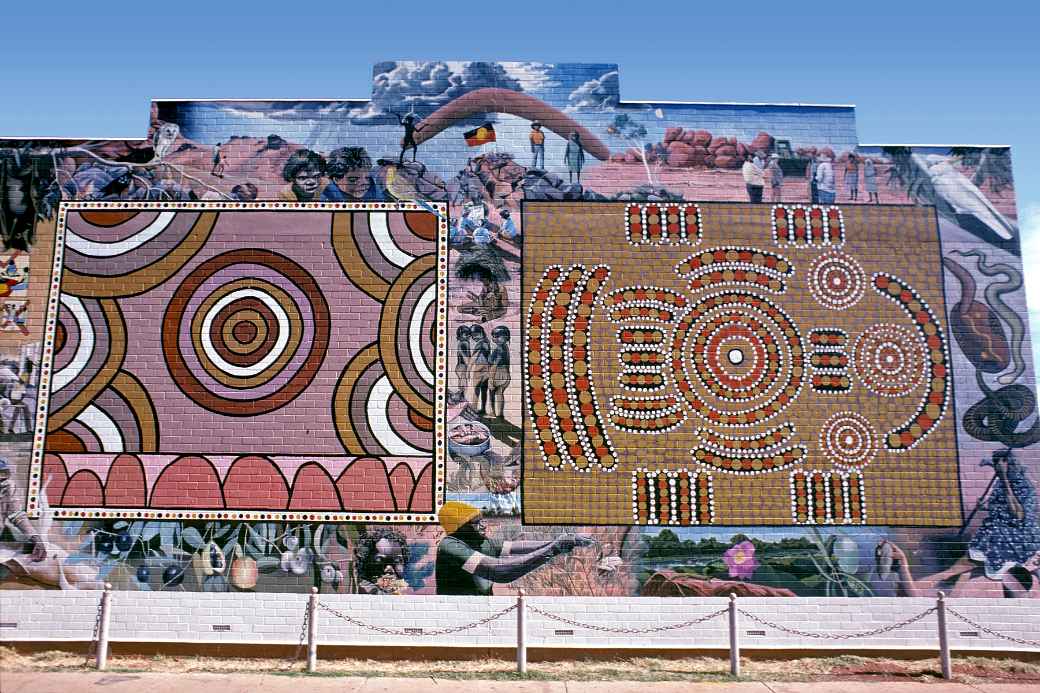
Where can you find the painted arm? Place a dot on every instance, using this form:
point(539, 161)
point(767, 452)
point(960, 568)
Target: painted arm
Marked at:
point(21, 521)
point(1013, 503)
point(513, 548)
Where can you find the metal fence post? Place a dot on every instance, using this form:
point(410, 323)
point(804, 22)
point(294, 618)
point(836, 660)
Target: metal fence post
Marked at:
point(312, 631)
point(944, 637)
point(106, 614)
point(734, 637)
point(521, 634)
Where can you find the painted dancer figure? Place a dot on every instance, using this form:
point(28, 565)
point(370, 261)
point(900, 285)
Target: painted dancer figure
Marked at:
point(469, 562)
point(408, 122)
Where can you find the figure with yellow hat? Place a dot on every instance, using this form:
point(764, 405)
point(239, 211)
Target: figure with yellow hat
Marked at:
point(469, 562)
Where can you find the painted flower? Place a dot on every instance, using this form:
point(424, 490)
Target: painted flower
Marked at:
point(740, 559)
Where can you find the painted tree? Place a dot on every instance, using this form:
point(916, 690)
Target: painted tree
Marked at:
point(628, 130)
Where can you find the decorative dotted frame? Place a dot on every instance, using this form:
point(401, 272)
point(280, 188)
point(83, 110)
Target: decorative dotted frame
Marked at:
point(33, 506)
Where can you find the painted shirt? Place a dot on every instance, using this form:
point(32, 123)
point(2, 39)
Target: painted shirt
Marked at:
point(752, 174)
point(332, 193)
point(825, 177)
point(537, 137)
point(457, 563)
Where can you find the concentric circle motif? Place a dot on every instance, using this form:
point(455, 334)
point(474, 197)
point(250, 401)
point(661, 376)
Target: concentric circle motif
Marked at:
point(849, 440)
point(737, 358)
point(889, 360)
point(836, 280)
point(246, 332)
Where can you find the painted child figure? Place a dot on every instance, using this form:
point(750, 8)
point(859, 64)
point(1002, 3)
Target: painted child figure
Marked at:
point(499, 377)
point(464, 356)
point(479, 369)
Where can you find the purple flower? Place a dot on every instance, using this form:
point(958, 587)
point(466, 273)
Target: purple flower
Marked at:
point(740, 559)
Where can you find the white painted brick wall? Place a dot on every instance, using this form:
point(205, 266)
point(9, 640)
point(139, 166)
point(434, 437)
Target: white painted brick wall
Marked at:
point(277, 618)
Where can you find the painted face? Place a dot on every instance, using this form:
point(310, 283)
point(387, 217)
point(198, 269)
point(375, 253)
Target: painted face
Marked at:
point(387, 559)
point(305, 183)
point(355, 182)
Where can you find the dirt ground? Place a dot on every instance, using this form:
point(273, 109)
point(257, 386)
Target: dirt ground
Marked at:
point(841, 668)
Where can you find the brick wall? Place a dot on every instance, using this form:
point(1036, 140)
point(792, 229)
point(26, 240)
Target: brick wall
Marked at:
point(419, 354)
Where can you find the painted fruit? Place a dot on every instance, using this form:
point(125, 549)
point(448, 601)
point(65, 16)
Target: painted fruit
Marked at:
point(243, 573)
point(209, 560)
point(103, 543)
point(124, 541)
point(173, 575)
point(143, 574)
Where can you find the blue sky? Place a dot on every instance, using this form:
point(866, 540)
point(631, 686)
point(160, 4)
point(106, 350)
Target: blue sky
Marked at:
point(924, 72)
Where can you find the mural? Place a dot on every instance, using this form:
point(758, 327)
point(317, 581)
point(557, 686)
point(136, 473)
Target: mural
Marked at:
point(267, 323)
point(495, 328)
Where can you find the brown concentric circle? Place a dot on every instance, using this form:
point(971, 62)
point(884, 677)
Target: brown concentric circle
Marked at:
point(216, 333)
point(317, 312)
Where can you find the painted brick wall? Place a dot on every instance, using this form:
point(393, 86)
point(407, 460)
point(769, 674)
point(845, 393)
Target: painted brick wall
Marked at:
point(274, 346)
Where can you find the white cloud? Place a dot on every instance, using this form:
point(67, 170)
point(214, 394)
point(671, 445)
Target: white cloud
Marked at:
point(1029, 227)
point(533, 77)
point(426, 86)
point(596, 94)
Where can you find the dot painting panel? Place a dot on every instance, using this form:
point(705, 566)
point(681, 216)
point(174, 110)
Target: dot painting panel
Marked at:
point(733, 364)
point(244, 361)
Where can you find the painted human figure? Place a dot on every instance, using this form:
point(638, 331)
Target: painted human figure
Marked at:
point(825, 187)
point(1003, 557)
point(464, 355)
point(382, 557)
point(479, 369)
point(754, 178)
point(303, 171)
point(489, 304)
point(469, 562)
point(499, 376)
point(408, 141)
point(508, 230)
point(218, 162)
point(12, 516)
point(814, 189)
point(870, 181)
point(852, 176)
point(574, 157)
point(776, 178)
point(350, 177)
point(537, 145)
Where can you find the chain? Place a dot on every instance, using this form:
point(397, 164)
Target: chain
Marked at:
point(839, 636)
point(396, 631)
point(990, 631)
point(92, 650)
point(303, 636)
point(629, 631)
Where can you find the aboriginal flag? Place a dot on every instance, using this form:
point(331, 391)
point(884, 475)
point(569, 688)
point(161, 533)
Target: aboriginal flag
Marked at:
point(482, 135)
